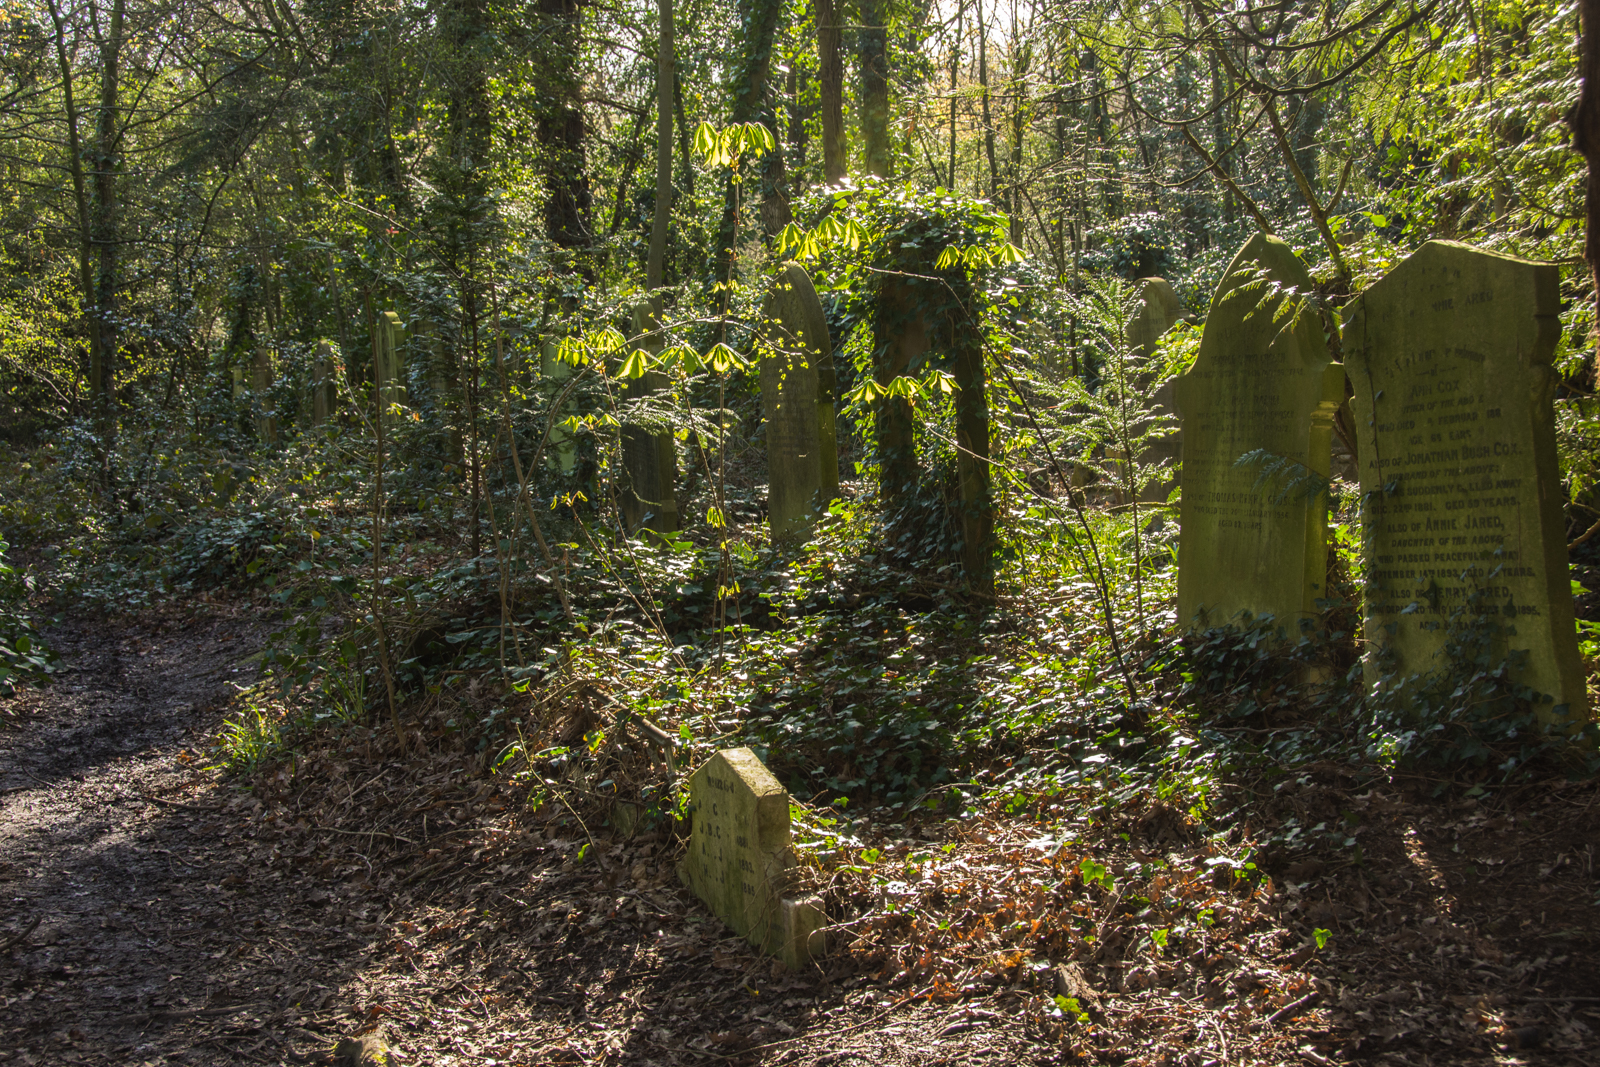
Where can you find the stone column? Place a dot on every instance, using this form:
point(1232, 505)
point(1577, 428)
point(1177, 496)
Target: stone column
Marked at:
point(261, 376)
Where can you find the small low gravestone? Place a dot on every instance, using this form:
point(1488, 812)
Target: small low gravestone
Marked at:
point(1259, 383)
point(1450, 356)
point(802, 463)
point(740, 857)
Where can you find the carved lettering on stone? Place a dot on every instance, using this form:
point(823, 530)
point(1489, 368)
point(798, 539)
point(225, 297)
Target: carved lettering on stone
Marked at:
point(1450, 356)
point(1259, 383)
point(740, 857)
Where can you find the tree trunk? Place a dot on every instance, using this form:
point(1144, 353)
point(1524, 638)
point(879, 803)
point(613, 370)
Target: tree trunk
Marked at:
point(830, 79)
point(983, 84)
point(560, 132)
point(1585, 119)
point(80, 199)
point(105, 219)
point(666, 80)
point(875, 87)
point(750, 104)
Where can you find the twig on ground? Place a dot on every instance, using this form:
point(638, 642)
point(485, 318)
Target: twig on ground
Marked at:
point(17, 939)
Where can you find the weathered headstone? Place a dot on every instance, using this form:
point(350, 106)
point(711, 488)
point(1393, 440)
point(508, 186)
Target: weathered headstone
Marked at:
point(1450, 356)
point(1259, 382)
point(649, 458)
point(740, 858)
point(802, 462)
point(322, 383)
point(261, 375)
point(391, 365)
point(562, 450)
point(1156, 310)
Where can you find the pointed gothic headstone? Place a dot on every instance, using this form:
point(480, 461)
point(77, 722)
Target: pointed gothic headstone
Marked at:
point(1450, 357)
point(1259, 383)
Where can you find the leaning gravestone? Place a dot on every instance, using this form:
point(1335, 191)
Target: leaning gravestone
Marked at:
point(1265, 383)
point(1157, 309)
point(649, 457)
point(1450, 356)
point(802, 461)
point(740, 857)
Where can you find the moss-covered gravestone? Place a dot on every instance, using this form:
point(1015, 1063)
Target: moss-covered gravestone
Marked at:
point(649, 459)
point(802, 461)
point(1156, 310)
point(391, 365)
point(740, 858)
point(1261, 383)
point(322, 383)
point(562, 451)
point(1450, 357)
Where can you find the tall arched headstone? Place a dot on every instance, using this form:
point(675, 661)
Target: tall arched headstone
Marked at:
point(1259, 383)
point(322, 383)
point(1450, 357)
point(261, 377)
point(391, 365)
point(648, 457)
point(1157, 309)
point(802, 461)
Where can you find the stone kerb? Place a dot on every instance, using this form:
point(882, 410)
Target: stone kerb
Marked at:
point(802, 462)
point(1259, 382)
point(1450, 357)
point(740, 858)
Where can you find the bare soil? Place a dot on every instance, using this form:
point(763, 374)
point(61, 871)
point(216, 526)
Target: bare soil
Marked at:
point(158, 912)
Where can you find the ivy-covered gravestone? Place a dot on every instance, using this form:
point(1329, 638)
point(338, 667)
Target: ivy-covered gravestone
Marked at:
point(1253, 537)
point(919, 319)
point(740, 858)
point(1450, 357)
point(802, 463)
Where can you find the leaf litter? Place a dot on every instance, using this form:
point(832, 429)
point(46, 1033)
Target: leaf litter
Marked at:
point(499, 915)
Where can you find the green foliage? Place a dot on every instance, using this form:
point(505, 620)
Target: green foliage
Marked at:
point(24, 655)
